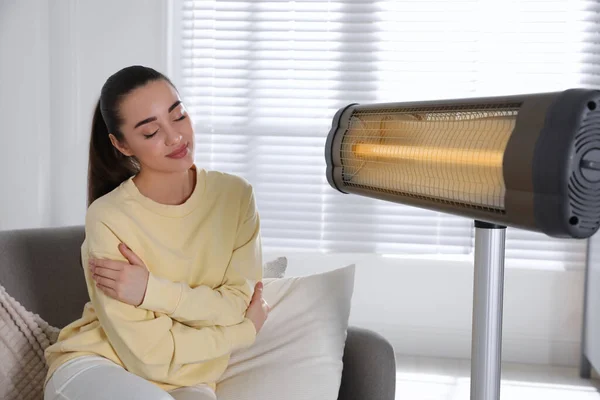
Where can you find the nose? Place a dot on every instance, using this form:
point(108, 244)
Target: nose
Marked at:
point(173, 137)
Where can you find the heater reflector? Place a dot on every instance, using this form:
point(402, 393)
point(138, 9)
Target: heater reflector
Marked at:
point(449, 156)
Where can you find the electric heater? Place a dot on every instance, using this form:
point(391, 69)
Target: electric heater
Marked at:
point(529, 161)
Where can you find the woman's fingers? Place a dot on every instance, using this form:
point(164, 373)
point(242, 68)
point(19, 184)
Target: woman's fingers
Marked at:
point(106, 273)
point(109, 264)
point(266, 305)
point(257, 292)
point(255, 299)
point(130, 255)
point(107, 290)
point(107, 268)
point(106, 282)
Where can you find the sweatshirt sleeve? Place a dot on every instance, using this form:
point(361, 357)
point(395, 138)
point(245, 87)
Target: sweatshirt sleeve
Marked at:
point(227, 304)
point(152, 345)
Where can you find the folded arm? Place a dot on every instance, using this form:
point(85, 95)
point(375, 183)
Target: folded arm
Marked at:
point(154, 346)
point(226, 305)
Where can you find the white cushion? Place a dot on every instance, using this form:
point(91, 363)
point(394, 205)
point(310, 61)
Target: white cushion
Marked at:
point(298, 353)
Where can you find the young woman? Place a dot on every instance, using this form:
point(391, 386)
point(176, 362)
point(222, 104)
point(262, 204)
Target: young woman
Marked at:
point(172, 257)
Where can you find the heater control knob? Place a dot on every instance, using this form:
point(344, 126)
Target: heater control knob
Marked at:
point(590, 165)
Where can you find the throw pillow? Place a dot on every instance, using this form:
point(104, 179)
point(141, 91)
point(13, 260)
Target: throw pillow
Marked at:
point(298, 353)
point(23, 338)
point(275, 268)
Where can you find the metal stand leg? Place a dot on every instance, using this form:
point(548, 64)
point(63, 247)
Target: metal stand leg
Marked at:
point(585, 367)
point(486, 346)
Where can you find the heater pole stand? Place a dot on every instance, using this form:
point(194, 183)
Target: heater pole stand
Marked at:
point(488, 288)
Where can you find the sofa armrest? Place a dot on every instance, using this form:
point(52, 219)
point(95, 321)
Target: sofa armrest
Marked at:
point(369, 367)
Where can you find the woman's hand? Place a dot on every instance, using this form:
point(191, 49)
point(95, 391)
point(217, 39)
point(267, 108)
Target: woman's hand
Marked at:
point(258, 310)
point(120, 280)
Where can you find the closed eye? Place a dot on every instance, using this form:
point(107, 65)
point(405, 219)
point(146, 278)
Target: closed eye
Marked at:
point(152, 134)
point(180, 118)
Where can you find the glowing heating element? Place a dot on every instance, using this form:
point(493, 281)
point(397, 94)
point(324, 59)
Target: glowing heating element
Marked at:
point(397, 153)
point(455, 156)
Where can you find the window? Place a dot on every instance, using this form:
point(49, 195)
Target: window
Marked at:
point(263, 80)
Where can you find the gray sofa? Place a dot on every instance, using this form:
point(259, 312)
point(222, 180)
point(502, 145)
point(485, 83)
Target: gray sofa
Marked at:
point(41, 268)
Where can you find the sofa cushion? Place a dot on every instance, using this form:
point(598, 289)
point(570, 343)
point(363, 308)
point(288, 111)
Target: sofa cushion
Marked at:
point(41, 268)
point(298, 353)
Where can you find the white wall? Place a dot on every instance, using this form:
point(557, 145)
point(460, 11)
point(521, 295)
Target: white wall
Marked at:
point(54, 58)
point(24, 114)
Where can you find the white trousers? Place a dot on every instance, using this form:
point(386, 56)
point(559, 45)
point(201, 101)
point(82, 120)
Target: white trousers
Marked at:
point(96, 378)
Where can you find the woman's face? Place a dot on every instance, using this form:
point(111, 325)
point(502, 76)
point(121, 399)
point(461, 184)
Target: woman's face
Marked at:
point(157, 129)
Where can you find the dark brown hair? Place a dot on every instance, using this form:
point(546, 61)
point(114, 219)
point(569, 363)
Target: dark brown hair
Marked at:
point(108, 167)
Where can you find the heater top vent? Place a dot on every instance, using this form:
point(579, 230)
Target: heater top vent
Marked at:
point(458, 109)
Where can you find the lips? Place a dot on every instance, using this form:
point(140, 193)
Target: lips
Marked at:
point(179, 152)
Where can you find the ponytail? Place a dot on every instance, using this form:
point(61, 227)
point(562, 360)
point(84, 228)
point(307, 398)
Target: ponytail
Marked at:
point(108, 167)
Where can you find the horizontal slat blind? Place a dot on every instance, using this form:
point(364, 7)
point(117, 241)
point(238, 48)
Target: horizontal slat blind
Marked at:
point(264, 79)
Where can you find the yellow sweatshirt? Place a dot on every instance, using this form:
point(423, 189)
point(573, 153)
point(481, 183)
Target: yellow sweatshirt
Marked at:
point(204, 257)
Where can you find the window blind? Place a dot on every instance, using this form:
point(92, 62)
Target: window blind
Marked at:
point(262, 81)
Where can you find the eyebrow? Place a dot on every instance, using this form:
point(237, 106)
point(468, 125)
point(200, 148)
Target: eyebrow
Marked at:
point(152, 119)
